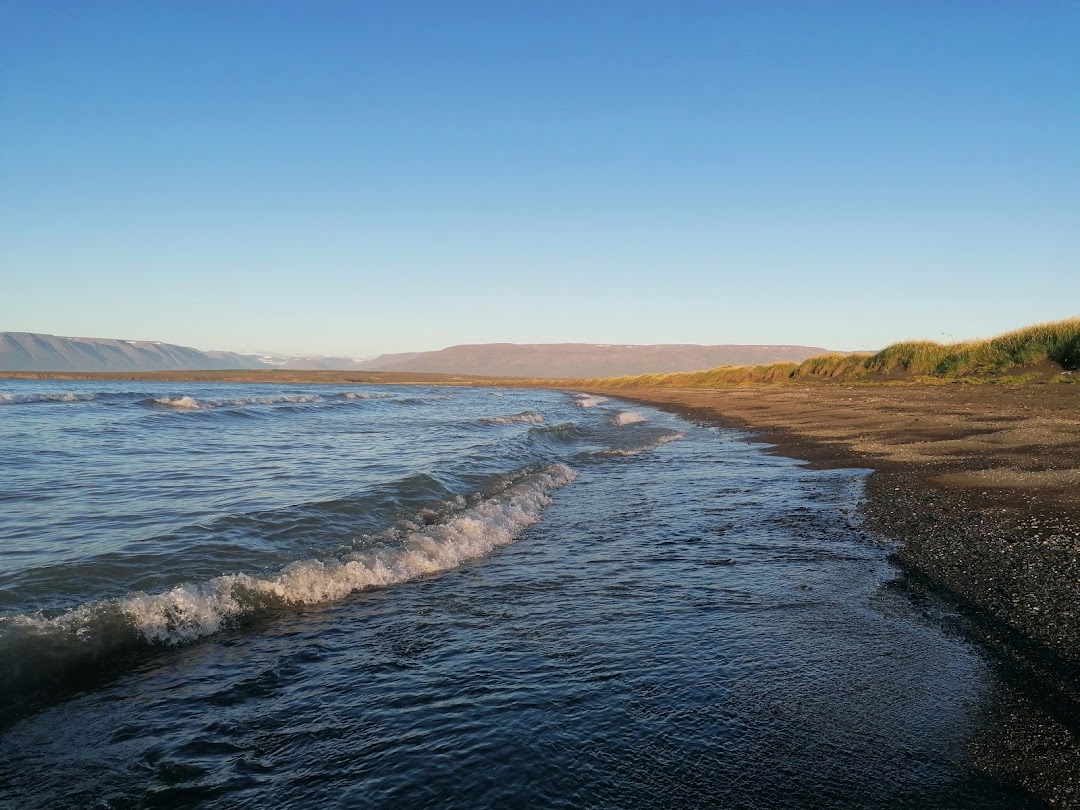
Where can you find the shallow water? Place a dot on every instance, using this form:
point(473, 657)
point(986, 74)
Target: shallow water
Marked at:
point(247, 596)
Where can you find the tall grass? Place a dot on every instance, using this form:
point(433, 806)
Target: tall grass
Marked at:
point(1057, 343)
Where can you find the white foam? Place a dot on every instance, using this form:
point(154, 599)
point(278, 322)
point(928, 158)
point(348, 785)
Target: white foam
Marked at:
point(190, 611)
point(192, 404)
point(589, 400)
point(628, 418)
point(20, 399)
point(420, 399)
point(357, 395)
point(634, 451)
point(529, 417)
point(178, 402)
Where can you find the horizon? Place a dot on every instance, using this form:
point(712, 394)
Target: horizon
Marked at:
point(301, 355)
point(421, 351)
point(323, 179)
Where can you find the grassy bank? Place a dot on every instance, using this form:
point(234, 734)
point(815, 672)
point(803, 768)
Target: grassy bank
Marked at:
point(1045, 350)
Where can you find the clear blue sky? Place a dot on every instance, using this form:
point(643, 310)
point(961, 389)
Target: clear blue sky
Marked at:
point(360, 177)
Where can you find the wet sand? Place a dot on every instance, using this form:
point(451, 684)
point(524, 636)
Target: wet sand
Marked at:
point(980, 488)
point(981, 484)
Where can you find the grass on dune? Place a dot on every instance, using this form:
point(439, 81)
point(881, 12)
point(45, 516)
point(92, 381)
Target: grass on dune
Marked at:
point(1057, 342)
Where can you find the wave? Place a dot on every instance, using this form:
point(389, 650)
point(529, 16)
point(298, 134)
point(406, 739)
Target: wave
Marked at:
point(186, 402)
point(418, 400)
point(562, 432)
point(34, 647)
point(71, 396)
point(628, 418)
point(645, 448)
point(530, 417)
point(589, 400)
point(189, 403)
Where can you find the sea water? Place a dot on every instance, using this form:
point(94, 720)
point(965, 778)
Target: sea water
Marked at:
point(361, 596)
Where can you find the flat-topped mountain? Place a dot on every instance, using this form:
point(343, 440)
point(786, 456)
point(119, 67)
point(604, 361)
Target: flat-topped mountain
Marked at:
point(29, 351)
point(584, 359)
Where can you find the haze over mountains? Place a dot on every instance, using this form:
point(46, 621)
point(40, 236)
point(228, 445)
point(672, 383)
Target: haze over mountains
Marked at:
point(584, 359)
point(28, 351)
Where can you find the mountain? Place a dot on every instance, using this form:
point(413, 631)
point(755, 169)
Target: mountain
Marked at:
point(28, 351)
point(583, 359)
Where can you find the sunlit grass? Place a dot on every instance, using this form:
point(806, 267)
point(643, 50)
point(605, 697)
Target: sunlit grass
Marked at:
point(970, 361)
point(1057, 342)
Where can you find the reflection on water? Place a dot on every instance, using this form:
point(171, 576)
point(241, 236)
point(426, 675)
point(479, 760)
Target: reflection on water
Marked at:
point(695, 624)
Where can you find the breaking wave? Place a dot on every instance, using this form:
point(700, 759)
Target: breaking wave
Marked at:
point(21, 399)
point(189, 403)
point(645, 448)
point(419, 400)
point(628, 418)
point(589, 400)
point(563, 433)
point(35, 646)
point(528, 417)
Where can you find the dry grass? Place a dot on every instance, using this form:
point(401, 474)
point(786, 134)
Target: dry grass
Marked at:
point(1056, 343)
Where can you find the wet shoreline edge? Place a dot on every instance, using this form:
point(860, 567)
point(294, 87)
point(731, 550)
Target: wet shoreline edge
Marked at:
point(945, 533)
point(954, 547)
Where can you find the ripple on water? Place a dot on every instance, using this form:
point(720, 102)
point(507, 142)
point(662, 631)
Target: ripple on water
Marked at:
point(696, 625)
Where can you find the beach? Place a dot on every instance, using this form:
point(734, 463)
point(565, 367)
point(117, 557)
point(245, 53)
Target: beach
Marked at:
point(980, 482)
point(979, 486)
point(228, 594)
point(972, 488)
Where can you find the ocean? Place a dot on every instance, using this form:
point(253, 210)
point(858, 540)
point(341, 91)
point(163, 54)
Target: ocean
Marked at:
point(238, 596)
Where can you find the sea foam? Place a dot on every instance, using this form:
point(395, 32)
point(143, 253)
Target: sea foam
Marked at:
point(589, 400)
point(410, 551)
point(628, 418)
point(526, 417)
point(21, 399)
point(645, 448)
point(189, 403)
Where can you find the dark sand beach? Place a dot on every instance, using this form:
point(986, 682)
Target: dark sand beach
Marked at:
point(980, 487)
point(976, 486)
point(981, 483)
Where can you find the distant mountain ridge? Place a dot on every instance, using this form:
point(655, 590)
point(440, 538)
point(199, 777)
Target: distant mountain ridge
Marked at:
point(585, 359)
point(29, 351)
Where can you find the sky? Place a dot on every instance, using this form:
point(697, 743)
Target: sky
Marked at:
point(351, 178)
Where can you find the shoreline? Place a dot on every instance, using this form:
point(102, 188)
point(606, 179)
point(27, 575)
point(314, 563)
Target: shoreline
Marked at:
point(979, 483)
point(980, 487)
point(973, 490)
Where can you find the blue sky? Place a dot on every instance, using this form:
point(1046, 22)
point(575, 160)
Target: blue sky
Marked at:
point(360, 177)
